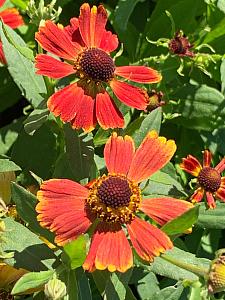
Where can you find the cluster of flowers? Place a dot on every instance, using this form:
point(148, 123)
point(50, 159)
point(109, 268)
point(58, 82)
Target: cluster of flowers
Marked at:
point(112, 202)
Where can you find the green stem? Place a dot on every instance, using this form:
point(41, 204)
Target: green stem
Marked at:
point(200, 271)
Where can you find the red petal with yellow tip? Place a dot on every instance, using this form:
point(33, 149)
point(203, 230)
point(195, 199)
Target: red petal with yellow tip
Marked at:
point(11, 17)
point(108, 115)
point(130, 95)
point(191, 165)
point(210, 200)
point(221, 193)
point(163, 210)
point(198, 195)
point(118, 153)
point(138, 74)
point(51, 67)
point(109, 249)
point(153, 154)
point(61, 209)
point(207, 158)
point(57, 41)
point(148, 241)
point(92, 24)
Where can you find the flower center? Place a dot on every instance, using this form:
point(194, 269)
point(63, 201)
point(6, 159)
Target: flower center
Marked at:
point(210, 179)
point(114, 198)
point(96, 64)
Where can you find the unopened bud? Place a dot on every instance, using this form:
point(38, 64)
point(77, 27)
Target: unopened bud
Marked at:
point(180, 45)
point(55, 289)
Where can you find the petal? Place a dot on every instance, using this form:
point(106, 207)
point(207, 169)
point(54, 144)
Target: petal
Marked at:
point(109, 41)
point(207, 158)
point(11, 17)
point(51, 67)
point(2, 2)
point(2, 55)
point(153, 153)
point(221, 193)
point(221, 166)
point(222, 182)
point(108, 115)
point(148, 240)
point(118, 153)
point(139, 74)
point(210, 200)
point(130, 95)
point(74, 32)
point(92, 24)
point(109, 249)
point(191, 165)
point(72, 105)
point(56, 40)
point(198, 195)
point(166, 209)
point(61, 209)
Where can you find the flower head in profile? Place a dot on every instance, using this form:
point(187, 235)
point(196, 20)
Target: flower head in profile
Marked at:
point(111, 203)
point(180, 45)
point(216, 276)
point(13, 19)
point(84, 47)
point(210, 181)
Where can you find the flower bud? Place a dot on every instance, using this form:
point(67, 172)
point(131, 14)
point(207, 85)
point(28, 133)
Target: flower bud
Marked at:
point(180, 45)
point(155, 100)
point(216, 278)
point(5, 188)
point(55, 289)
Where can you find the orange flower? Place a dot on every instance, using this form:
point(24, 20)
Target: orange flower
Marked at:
point(85, 46)
point(12, 18)
point(209, 179)
point(111, 203)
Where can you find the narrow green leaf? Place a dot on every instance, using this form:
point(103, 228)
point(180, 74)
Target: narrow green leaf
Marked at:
point(35, 120)
point(6, 165)
point(31, 280)
point(76, 252)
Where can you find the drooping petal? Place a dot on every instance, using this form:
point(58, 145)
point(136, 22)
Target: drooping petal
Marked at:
point(61, 209)
point(166, 209)
point(138, 74)
point(153, 153)
point(2, 2)
point(72, 105)
point(2, 55)
point(221, 166)
point(55, 39)
point(198, 195)
point(51, 67)
point(222, 184)
point(92, 24)
point(109, 249)
point(118, 153)
point(130, 95)
point(74, 32)
point(210, 200)
point(109, 41)
point(148, 241)
point(220, 193)
point(11, 17)
point(108, 115)
point(207, 158)
point(191, 165)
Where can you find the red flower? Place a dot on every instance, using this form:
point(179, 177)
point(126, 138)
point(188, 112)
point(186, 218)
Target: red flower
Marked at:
point(111, 202)
point(84, 46)
point(209, 179)
point(12, 18)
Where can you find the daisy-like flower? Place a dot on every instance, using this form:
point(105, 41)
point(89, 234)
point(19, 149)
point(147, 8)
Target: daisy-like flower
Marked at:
point(111, 203)
point(85, 48)
point(210, 181)
point(12, 18)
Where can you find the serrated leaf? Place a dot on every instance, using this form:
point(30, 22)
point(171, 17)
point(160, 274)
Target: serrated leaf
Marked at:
point(75, 252)
point(31, 280)
point(7, 165)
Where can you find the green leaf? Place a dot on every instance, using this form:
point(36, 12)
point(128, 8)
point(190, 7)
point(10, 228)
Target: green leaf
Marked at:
point(22, 4)
point(25, 206)
point(35, 120)
point(212, 218)
point(169, 293)
point(84, 289)
point(147, 286)
point(31, 280)
point(8, 135)
point(6, 165)
point(182, 223)
point(222, 72)
point(216, 32)
point(30, 252)
point(151, 122)
point(69, 278)
point(75, 252)
point(21, 68)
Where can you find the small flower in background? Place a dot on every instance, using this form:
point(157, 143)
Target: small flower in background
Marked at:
point(216, 277)
point(209, 179)
point(112, 202)
point(180, 45)
point(13, 19)
point(85, 46)
point(155, 100)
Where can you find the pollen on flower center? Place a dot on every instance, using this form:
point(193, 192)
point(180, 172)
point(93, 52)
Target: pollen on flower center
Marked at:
point(96, 64)
point(210, 179)
point(114, 198)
